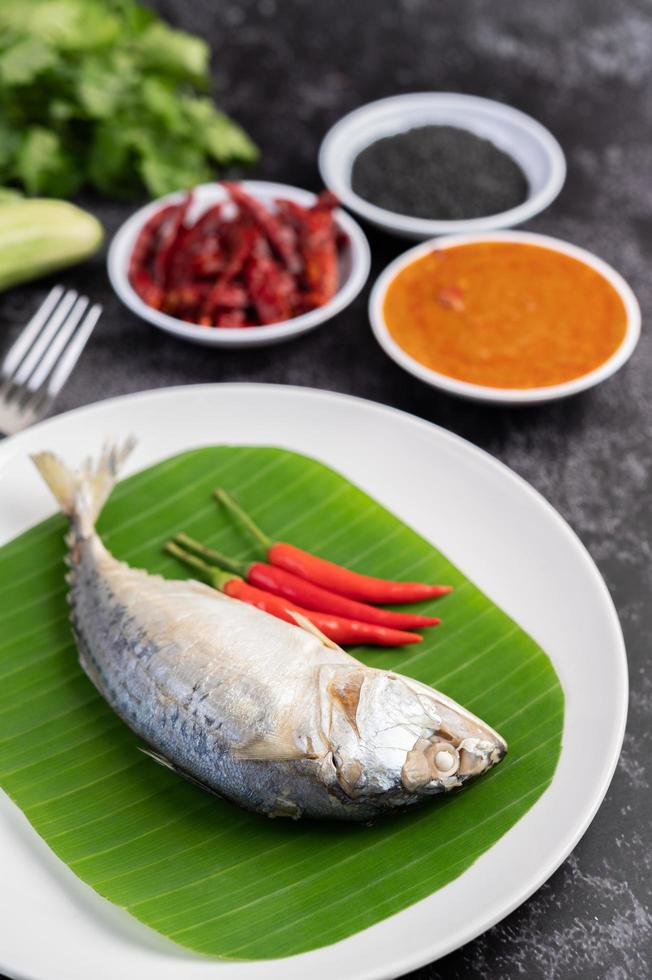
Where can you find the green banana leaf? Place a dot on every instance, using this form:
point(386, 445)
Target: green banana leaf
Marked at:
point(198, 869)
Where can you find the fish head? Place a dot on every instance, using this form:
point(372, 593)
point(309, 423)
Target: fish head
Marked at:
point(394, 736)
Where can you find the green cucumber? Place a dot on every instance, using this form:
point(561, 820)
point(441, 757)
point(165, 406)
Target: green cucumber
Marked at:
point(38, 236)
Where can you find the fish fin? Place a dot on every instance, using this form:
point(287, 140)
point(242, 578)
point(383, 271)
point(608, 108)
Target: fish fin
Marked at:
point(81, 493)
point(309, 627)
point(284, 807)
point(270, 748)
point(164, 761)
point(157, 757)
point(59, 479)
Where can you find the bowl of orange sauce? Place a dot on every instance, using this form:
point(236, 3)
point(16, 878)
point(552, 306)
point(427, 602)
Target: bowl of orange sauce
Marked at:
point(509, 317)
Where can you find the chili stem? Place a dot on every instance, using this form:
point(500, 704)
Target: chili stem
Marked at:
point(211, 555)
point(236, 510)
point(214, 576)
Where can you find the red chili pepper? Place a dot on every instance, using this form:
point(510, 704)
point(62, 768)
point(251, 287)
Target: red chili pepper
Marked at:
point(281, 237)
point(317, 235)
point(206, 224)
point(148, 290)
point(284, 262)
point(177, 265)
point(184, 299)
point(326, 201)
point(231, 318)
point(168, 238)
point(199, 251)
point(304, 593)
point(289, 212)
point(144, 245)
point(336, 628)
point(320, 257)
point(333, 577)
point(209, 261)
point(363, 587)
point(271, 289)
point(241, 240)
point(224, 295)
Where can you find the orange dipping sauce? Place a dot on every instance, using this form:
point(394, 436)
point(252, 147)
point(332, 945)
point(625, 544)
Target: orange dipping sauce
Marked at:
point(505, 314)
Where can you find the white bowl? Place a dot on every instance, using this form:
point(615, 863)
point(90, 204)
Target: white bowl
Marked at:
point(509, 396)
point(353, 270)
point(529, 143)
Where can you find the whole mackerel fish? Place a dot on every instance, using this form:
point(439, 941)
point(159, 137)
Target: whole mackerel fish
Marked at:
point(269, 715)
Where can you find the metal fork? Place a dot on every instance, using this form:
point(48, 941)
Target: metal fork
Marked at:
point(41, 360)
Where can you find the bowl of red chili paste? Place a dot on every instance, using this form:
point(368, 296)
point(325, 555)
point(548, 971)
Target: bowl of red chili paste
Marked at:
point(239, 265)
point(507, 317)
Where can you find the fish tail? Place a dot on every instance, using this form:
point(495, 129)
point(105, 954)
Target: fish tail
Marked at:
point(81, 493)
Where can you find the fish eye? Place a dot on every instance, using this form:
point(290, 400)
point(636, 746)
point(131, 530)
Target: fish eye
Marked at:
point(444, 760)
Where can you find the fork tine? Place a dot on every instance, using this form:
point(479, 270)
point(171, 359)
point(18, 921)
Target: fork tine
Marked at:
point(29, 333)
point(54, 351)
point(44, 339)
point(41, 360)
point(72, 353)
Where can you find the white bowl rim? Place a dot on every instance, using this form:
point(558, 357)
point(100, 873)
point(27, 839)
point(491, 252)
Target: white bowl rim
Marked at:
point(226, 336)
point(333, 177)
point(486, 393)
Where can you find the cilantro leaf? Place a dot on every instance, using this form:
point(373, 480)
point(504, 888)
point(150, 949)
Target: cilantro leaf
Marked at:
point(23, 61)
point(174, 51)
point(103, 92)
point(43, 165)
point(222, 138)
point(181, 165)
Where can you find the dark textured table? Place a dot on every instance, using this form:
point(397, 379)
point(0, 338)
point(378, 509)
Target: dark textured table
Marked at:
point(287, 70)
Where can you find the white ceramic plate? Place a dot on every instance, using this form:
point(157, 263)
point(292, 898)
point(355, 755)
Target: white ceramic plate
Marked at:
point(534, 148)
point(506, 396)
point(354, 263)
point(491, 523)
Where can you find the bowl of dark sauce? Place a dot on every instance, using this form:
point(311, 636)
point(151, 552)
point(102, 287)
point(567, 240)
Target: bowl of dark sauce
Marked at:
point(439, 163)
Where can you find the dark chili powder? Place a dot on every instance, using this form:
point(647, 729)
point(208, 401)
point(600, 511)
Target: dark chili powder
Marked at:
point(438, 172)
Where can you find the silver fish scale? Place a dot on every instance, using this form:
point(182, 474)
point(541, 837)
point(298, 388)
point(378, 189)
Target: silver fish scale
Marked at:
point(101, 623)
